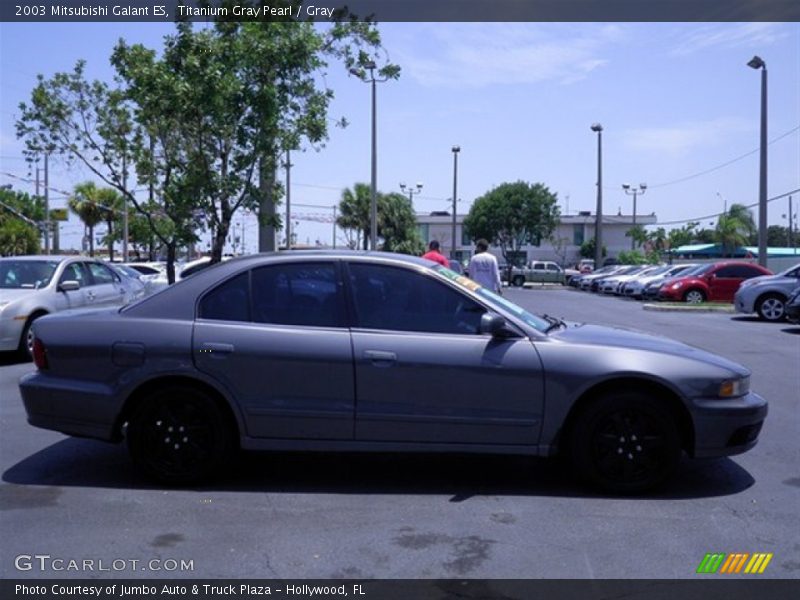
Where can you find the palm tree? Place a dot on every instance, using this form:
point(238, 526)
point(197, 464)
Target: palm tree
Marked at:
point(745, 218)
point(354, 212)
point(84, 203)
point(110, 202)
point(730, 233)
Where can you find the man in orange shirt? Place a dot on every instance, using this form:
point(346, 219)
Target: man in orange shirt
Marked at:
point(434, 254)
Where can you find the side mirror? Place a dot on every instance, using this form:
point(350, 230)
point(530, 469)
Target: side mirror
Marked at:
point(495, 325)
point(69, 286)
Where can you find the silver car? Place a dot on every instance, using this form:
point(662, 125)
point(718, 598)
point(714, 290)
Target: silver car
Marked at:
point(347, 351)
point(34, 286)
point(767, 295)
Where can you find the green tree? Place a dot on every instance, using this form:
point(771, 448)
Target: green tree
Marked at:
point(639, 235)
point(682, 236)
point(111, 202)
point(587, 250)
point(632, 257)
point(512, 215)
point(730, 233)
point(747, 225)
point(354, 214)
point(778, 236)
point(397, 225)
point(85, 203)
point(19, 213)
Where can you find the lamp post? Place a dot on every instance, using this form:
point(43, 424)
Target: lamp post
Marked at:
point(373, 208)
point(757, 63)
point(456, 150)
point(598, 226)
point(411, 190)
point(634, 191)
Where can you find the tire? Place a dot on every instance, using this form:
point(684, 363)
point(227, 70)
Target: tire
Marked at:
point(179, 435)
point(694, 297)
point(25, 349)
point(518, 281)
point(771, 307)
point(625, 443)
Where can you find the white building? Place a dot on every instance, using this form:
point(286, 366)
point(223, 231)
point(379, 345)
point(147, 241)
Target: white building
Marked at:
point(563, 247)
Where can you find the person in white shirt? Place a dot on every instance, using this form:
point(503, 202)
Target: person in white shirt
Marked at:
point(483, 268)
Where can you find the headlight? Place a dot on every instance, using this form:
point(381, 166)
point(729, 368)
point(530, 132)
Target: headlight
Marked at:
point(676, 286)
point(4, 303)
point(733, 388)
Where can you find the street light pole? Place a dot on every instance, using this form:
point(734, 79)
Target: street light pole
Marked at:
point(757, 63)
point(634, 191)
point(456, 150)
point(288, 200)
point(598, 226)
point(411, 191)
point(373, 207)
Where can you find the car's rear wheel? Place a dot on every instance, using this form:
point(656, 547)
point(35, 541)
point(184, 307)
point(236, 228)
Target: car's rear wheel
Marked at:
point(625, 442)
point(179, 435)
point(694, 297)
point(771, 307)
point(518, 281)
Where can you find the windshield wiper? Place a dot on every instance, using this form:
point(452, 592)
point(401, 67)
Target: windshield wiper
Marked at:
point(555, 323)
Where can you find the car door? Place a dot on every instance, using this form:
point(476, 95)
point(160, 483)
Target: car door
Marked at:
point(424, 373)
point(105, 288)
point(276, 338)
point(724, 282)
point(74, 271)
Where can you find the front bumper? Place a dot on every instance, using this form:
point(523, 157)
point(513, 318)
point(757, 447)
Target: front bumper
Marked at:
point(10, 333)
point(741, 306)
point(724, 427)
point(84, 409)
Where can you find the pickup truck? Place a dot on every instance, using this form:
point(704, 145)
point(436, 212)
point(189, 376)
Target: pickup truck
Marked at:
point(537, 271)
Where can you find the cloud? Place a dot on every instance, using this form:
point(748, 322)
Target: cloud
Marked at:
point(483, 54)
point(681, 139)
point(736, 35)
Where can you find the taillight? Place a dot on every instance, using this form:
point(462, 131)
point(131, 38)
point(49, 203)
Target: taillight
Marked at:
point(39, 355)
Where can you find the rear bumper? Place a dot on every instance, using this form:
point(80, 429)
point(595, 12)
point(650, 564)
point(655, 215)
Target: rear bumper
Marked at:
point(727, 427)
point(75, 408)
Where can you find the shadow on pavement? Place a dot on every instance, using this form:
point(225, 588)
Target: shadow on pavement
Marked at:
point(88, 463)
point(792, 330)
point(12, 358)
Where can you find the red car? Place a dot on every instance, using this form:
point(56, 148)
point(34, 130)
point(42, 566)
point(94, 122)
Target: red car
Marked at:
point(716, 282)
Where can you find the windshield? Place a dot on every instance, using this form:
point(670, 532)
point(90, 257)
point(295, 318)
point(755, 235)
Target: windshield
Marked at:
point(494, 300)
point(26, 274)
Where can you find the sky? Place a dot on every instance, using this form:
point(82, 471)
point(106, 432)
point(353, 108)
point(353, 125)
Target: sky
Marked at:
point(676, 101)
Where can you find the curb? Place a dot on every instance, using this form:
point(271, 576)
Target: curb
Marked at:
point(706, 309)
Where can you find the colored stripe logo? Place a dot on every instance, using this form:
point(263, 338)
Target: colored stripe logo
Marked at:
point(738, 562)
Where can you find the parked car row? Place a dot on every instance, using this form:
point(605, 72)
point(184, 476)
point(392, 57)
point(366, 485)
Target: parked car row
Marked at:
point(750, 287)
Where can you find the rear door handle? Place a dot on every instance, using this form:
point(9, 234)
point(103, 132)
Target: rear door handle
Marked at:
point(380, 358)
point(217, 348)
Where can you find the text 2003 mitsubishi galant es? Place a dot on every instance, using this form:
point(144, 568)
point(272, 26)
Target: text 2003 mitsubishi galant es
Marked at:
point(378, 352)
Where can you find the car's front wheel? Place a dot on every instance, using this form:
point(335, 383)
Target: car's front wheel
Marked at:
point(694, 297)
point(518, 281)
point(771, 307)
point(179, 435)
point(25, 349)
point(625, 442)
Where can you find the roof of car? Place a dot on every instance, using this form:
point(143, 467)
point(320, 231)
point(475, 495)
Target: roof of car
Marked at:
point(53, 257)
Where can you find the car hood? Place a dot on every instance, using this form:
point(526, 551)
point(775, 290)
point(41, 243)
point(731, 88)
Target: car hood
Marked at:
point(10, 295)
point(769, 280)
point(598, 335)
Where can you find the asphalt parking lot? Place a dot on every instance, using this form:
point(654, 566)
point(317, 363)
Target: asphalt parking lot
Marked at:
point(384, 516)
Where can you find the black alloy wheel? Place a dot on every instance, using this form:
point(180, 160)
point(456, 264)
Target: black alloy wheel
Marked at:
point(625, 443)
point(179, 435)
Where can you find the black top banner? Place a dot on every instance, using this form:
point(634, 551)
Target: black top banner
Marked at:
point(399, 10)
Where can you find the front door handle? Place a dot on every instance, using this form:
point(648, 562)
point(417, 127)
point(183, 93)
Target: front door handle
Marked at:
point(379, 358)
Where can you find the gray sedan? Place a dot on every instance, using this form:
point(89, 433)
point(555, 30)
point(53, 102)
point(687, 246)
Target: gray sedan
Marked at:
point(338, 351)
point(767, 295)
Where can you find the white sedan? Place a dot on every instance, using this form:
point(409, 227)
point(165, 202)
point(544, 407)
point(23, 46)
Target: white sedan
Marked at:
point(34, 286)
